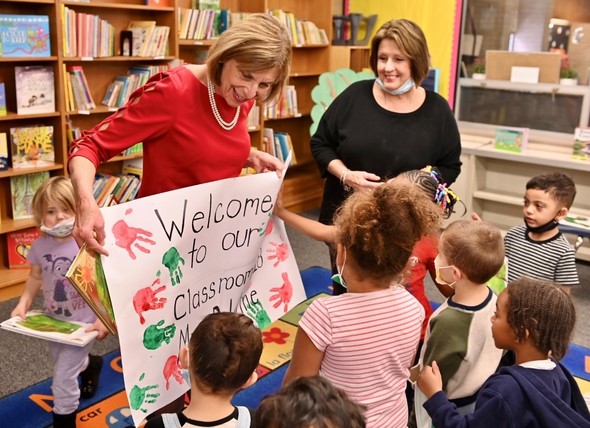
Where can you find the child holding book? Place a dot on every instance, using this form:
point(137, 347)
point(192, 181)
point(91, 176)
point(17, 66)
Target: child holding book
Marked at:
point(470, 252)
point(535, 320)
point(309, 402)
point(223, 353)
point(364, 341)
point(50, 257)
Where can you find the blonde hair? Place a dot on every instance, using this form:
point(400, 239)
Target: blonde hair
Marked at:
point(381, 227)
point(257, 43)
point(410, 39)
point(56, 189)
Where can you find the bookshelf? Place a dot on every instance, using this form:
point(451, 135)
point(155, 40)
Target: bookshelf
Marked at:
point(303, 184)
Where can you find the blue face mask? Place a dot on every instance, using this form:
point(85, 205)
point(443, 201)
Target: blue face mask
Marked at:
point(185, 373)
point(338, 278)
point(401, 90)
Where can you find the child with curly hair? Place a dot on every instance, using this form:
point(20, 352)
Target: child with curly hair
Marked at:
point(364, 341)
point(534, 319)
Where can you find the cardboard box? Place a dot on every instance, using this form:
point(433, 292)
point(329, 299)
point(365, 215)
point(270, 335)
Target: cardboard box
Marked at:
point(499, 64)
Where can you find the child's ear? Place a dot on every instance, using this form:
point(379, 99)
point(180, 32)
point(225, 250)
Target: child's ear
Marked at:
point(251, 380)
point(562, 213)
point(184, 360)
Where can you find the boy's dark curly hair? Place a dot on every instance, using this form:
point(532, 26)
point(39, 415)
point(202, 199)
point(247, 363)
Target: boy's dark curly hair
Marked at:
point(309, 402)
point(544, 311)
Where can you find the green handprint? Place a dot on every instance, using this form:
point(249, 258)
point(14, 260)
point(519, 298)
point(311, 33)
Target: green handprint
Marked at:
point(172, 260)
point(154, 336)
point(259, 314)
point(139, 396)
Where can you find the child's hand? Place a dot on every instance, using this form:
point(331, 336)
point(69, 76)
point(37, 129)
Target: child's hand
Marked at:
point(279, 206)
point(430, 380)
point(20, 311)
point(475, 216)
point(98, 326)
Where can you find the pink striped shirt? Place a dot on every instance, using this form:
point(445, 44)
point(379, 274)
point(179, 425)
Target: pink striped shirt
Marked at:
point(369, 341)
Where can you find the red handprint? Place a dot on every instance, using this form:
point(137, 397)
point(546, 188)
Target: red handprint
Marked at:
point(283, 293)
point(125, 236)
point(172, 369)
point(145, 299)
point(281, 252)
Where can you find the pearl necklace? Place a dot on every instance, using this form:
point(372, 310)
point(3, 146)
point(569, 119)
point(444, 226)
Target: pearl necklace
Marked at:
point(225, 125)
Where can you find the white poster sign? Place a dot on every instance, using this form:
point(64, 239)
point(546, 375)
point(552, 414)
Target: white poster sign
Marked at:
point(178, 256)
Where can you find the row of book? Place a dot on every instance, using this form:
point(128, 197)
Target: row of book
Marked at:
point(115, 189)
point(86, 35)
point(278, 144)
point(148, 39)
point(301, 31)
point(284, 106)
point(77, 91)
point(205, 24)
point(122, 87)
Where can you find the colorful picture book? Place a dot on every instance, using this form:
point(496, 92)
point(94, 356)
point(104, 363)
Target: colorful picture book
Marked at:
point(43, 326)
point(511, 139)
point(35, 89)
point(32, 146)
point(3, 109)
point(24, 36)
point(22, 189)
point(4, 162)
point(18, 244)
point(581, 144)
point(87, 276)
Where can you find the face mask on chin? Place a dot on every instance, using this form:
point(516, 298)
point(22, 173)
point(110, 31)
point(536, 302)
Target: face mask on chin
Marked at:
point(60, 230)
point(543, 228)
point(338, 278)
point(401, 90)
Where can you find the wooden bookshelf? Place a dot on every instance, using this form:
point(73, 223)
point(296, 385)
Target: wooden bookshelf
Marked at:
point(303, 185)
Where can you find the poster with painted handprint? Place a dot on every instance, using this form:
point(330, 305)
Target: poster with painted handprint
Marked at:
point(178, 256)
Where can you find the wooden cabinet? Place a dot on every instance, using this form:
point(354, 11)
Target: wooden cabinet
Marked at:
point(303, 185)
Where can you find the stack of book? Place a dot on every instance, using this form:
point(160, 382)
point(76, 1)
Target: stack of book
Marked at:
point(149, 39)
point(86, 35)
point(122, 87)
point(285, 106)
point(278, 144)
point(115, 189)
point(77, 94)
point(302, 32)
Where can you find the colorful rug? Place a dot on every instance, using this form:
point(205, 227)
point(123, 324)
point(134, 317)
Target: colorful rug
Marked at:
point(109, 408)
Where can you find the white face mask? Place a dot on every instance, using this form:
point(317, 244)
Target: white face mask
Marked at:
point(439, 278)
point(401, 90)
point(338, 278)
point(60, 230)
point(185, 372)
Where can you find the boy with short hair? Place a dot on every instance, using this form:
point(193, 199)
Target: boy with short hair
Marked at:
point(538, 249)
point(458, 336)
point(223, 353)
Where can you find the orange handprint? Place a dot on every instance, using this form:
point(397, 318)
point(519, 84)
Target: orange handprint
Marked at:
point(280, 253)
point(125, 237)
point(283, 293)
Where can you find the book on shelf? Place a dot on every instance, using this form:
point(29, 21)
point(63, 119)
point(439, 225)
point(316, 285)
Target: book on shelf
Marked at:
point(32, 146)
point(18, 244)
point(44, 326)
point(79, 85)
point(142, 33)
point(22, 189)
point(87, 276)
point(581, 143)
point(4, 161)
point(3, 109)
point(24, 36)
point(35, 89)
point(511, 139)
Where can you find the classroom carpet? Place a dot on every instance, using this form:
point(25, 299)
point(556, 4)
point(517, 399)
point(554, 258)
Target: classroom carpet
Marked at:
point(31, 407)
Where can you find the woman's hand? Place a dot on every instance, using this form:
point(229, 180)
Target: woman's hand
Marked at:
point(264, 162)
point(430, 380)
point(89, 226)
point(361, 180)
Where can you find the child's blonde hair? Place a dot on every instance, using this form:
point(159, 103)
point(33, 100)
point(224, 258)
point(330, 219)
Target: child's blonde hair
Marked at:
point(381, 227)
point(56, 189)
point(476, 248)
point(542, 311)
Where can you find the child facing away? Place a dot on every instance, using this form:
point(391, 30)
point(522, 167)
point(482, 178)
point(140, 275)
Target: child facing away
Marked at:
point(309, 402)
point(424, 252)
point(222, 356)
point(458, 337)
point(538, 249)
point(50, 257)
point(364, 341)
point(535, 320)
